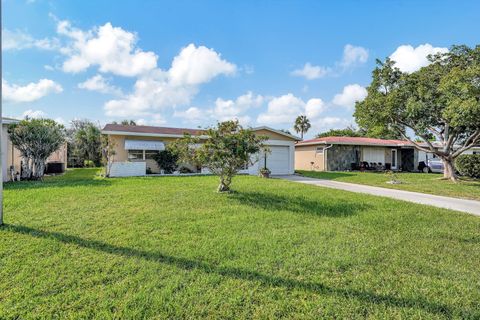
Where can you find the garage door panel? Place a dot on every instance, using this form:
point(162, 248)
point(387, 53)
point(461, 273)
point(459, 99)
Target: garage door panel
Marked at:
point(278, 160)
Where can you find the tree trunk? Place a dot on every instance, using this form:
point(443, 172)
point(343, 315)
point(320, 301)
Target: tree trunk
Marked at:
point(224, 184)
point(26, 172)
point(448, 169)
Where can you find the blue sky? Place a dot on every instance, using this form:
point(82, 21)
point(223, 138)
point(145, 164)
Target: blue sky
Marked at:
point(191, 63)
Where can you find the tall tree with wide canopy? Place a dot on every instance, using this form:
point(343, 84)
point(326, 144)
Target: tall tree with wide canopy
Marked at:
point(36, 139)
point(302, 125)
point(441, 99)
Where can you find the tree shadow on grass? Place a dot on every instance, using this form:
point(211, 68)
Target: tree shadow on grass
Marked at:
point(305, 205)
point(241, 274)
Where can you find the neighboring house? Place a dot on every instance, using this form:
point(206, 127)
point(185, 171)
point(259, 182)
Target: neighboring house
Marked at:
point(346, 153)
point(11, 158)
point(135, 147)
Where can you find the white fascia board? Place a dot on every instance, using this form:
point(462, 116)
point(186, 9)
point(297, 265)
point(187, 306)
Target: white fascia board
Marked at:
point(279, 143)
point(352, 144)
point(141, 134)
point(9, 121)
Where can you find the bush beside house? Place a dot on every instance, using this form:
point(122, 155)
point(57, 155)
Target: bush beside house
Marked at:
point(468, 165)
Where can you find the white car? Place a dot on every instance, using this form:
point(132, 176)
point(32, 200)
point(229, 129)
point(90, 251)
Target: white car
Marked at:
point(434, 165)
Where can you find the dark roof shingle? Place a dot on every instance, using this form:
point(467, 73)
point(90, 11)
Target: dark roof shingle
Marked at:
point(151, 129)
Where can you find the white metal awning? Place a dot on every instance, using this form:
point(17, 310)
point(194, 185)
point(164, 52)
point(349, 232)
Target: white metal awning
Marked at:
point(144, 145)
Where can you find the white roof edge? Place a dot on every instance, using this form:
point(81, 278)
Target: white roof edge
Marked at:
point(354, 144)
point(143, 134)
point(163, 135)
point(9, 121)
point(276, 131)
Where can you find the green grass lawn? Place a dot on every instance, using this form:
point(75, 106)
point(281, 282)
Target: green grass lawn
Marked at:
point(419, 182)
point(78, 246)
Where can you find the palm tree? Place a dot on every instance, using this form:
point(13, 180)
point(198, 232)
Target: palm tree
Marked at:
point(302, 124)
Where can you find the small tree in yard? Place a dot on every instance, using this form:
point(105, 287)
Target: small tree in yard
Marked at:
point(36, 139)
point(441, 99)
point(225, 150)
point(108, 153)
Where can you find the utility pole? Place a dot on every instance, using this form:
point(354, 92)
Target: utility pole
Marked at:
point(1, 121)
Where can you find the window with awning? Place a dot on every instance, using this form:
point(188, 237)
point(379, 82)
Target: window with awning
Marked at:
point(144, 145)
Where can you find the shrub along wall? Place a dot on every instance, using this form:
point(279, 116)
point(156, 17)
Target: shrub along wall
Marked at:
point(468, 165)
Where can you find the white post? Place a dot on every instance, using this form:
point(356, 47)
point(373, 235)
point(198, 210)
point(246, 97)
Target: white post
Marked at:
point(1, 125)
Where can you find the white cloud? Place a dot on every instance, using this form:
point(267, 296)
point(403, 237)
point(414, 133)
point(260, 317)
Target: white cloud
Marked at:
point(114, 50)
point(327, 123)
point(285, 109)
point(410, 59)
point(153, 92)
point(175, 87)
point(353, 55)
point(223, 110)
point(350, 94)
point(33, 114)
point(196, 65)
point(231, 109)
point(310, 72)
point(153, 120)
point(314, 107)
point(48, 67)
point(61, 121)
point(110, 48)
point(30, 92)
point(18, 40)
point(282, 110)
point(100, 84)
point(192, 114)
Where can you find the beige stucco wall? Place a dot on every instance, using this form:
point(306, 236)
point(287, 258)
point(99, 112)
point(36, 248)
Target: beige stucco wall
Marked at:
point(60, 155)
point(305, 155)
point(119, 141)
point(121, 154)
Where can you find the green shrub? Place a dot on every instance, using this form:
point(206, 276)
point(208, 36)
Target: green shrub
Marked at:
point(88, 164)
point(166, 160)
point(468, 165)
point(185, 170)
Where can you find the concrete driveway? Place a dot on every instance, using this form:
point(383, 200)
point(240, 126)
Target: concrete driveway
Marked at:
point(469, 206)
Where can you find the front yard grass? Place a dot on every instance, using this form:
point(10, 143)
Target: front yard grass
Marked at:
point(79, 246)
point(419, 182)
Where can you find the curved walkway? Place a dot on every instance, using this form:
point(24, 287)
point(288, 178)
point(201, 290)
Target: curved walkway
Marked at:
point(469, 206)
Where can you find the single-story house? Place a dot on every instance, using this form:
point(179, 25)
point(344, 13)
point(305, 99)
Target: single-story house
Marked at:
point(346, 153)
point(11, 158)
point(135, 147)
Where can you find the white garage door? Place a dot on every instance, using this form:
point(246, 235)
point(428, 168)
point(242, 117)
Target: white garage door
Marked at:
point(278, 160)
